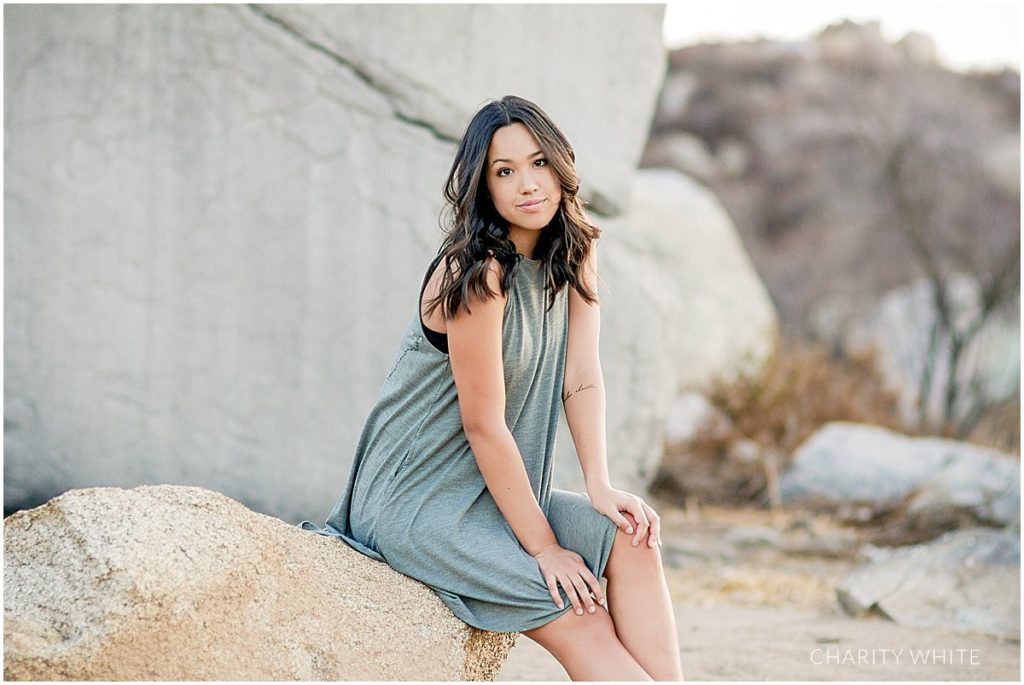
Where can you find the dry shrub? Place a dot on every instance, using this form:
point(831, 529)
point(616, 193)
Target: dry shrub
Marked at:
point(802, 386)
point(999, 427)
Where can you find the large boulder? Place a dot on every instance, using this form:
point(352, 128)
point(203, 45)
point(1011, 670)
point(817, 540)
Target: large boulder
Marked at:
point(434, 62)
point(218, 217)
point(967, 580)
point(181, 583)
point(864, 471)
point(681, 304)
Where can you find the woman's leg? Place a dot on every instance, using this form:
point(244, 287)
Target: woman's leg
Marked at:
point(587, 648)
point(641, 606)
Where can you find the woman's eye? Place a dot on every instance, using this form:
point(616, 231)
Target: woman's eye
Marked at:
point(505, 168)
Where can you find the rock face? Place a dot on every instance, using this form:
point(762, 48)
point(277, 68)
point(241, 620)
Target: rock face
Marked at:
point(186, 278)
point(433, 62)
point(181, 583)
point(218, 215)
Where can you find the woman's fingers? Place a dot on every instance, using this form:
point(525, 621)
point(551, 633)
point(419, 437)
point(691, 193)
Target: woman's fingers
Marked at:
point(595, 585)
point(642, 524)
point(586, 601)
point(570, 589)
point(624, 523)
point(575, 582)
point(553, 589)
point(649, 524)
point(654, 538)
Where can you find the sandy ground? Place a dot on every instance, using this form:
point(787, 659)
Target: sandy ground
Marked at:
point(747, 609)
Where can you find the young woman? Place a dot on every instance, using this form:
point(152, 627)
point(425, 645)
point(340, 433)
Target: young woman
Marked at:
point(451, 479)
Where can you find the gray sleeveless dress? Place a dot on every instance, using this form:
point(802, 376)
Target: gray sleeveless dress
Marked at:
point(416, 499)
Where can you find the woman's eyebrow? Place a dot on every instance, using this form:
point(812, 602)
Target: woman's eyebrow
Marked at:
point(509, 160)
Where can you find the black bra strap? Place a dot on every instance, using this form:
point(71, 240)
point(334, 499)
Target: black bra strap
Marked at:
point(436, 338)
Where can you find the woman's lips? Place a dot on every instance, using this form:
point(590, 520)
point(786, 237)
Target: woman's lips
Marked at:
point(534, 206)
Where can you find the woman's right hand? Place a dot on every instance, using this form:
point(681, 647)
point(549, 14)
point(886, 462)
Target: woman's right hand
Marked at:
point(568, 568)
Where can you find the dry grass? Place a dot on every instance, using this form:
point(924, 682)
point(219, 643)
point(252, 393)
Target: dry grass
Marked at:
point(751, 585)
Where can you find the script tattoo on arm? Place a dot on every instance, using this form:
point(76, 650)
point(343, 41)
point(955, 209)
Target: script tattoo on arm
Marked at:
point(573, 392)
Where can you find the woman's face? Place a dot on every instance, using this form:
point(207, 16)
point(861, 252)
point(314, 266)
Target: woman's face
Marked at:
point(518, 173)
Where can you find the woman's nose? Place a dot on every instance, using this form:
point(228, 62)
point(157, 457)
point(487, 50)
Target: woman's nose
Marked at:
point(529, 181)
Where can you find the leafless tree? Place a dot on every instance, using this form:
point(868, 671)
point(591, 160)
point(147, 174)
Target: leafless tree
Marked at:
point(941, 203)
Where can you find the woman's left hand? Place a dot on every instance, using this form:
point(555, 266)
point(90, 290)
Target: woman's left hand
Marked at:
point(612, 502)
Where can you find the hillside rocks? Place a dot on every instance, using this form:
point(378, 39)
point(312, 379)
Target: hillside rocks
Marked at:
point(864, 471)
point(967, 580)
point(795, 138)
point(847, 43)
point(899, 325)
point(181, 583)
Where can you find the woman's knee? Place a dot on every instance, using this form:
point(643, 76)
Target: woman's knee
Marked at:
point(625, 554)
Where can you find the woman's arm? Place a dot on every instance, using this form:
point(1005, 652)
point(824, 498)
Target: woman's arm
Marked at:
point(584, 399)
point(583, 394)
point(474, 347)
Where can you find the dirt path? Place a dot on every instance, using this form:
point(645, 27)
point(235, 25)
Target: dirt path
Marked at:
point(753, 603)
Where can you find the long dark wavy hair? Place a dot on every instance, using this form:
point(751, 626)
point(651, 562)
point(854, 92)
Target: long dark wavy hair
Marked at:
point(474, 230)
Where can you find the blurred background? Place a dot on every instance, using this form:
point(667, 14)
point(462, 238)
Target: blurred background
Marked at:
point(868, 158)
point(873, 178)
point(216, 219)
